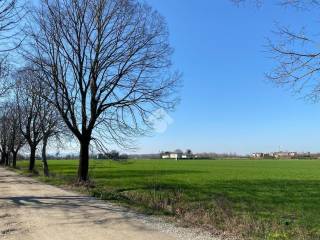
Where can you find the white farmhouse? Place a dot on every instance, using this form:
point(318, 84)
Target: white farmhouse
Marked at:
point(176, 156)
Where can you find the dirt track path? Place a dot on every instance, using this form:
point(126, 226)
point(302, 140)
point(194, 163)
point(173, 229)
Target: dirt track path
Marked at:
point(30, 210)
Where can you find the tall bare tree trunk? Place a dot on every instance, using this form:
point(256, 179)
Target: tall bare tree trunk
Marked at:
point(44, 157)
point(84, 161)
point(7, 162)
point(32, 159)
point(2, 161)
point(14, 159)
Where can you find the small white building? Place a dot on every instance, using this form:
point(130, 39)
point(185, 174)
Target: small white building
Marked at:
point(176, 156)
point(257, 155)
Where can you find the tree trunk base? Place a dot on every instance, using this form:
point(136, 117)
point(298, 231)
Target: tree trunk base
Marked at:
point(83, 162)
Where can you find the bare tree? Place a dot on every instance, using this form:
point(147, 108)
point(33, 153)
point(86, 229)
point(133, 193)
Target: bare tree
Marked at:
point(189, 151)
point(30, 108)
point(38, 119)
point(297, 56)
point(11, 139)
point(16, 139)
point(296, 53)
point(4, 135)
point(107, 64)
point(11, 13)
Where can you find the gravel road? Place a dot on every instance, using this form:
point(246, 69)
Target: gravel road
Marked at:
point(30, 210)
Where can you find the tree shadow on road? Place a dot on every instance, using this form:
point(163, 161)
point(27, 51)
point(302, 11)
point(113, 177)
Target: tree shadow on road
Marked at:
point(78, 209)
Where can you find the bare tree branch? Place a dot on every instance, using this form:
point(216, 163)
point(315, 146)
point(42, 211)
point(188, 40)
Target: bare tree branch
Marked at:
point(296, 54)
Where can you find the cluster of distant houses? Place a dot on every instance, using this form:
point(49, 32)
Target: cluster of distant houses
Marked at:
point(282, 154)
point(185, 155)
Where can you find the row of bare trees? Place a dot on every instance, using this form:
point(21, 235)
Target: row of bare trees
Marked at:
point(27, 120)
point(98, 68)
point(10, 136)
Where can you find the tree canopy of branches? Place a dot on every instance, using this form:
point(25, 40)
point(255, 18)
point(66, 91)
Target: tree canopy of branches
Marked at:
point(11, 139)
point(4, 134)
point(107, 64)
point(16, 140)
point(296, 53)
point(38, 120)
point(11, 13)
point(5, 83)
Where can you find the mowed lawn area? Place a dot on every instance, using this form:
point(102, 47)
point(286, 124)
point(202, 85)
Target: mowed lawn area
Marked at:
point(259, 199)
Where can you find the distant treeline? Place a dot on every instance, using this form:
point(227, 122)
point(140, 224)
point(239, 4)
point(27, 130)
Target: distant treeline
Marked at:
point(115, 155)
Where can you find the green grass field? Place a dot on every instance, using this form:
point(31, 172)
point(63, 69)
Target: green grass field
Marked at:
point(259, 199)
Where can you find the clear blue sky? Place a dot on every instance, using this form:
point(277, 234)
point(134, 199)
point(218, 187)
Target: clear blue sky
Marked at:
point(227, 104)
